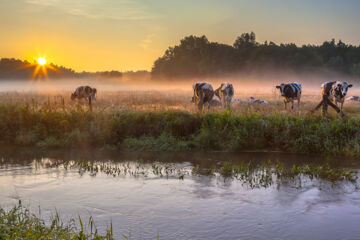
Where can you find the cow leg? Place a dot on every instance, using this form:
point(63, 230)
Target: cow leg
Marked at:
point(341, 106)
point(319, 105)
point(292, 105)
point(325, 102)
point(325, 108)
point(229, 103)
point(285, 103)
point(90, 103)
point(299, 104)
point(200, 106)
point(337, 109)
point(201, 101)
point(223, 100)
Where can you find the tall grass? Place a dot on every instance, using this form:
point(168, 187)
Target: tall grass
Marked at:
point(20, 223)
point(178, 130)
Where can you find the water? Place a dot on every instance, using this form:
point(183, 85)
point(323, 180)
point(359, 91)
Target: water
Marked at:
point(197, 207)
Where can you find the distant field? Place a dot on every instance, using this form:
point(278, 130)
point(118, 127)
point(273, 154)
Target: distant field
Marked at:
point(162, 100)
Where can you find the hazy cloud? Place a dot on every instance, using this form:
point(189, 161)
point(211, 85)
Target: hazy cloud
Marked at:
point(123, 10)
point(145, 43)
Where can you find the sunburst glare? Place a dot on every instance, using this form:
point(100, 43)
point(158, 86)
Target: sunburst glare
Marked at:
point(41, 61)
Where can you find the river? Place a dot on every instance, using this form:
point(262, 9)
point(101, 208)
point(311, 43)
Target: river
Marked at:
point(143, 203)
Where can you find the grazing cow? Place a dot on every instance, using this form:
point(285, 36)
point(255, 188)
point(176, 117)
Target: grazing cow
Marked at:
point(331, 91)
point(353, 98)
point(225, 92)
point(84, 92)
point(254, 100)
point(290, 92)
point(215, 103)
point(203, 93)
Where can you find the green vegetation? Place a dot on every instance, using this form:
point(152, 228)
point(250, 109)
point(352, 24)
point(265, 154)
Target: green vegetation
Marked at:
point(197, 56)
point(20, 223)
point(178, 130)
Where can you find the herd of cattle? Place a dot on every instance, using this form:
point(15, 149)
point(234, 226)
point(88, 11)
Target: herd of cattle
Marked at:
point(204, 94)
point(331, 92)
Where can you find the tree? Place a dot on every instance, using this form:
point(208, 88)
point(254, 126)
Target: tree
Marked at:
point(246, 40)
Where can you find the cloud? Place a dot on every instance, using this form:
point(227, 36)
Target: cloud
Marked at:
point(42, 2)
point(145, 43)
point(122, 10)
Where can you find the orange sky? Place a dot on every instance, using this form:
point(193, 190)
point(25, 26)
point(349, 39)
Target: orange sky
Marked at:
point(97, 35)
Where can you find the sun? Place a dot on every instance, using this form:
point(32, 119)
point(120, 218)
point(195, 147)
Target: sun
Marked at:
point(41, 61)
point(41, 68)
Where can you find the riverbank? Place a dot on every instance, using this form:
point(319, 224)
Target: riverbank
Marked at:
point(178, 130)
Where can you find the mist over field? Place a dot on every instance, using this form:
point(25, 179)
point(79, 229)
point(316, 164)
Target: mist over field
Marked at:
point(244, 84)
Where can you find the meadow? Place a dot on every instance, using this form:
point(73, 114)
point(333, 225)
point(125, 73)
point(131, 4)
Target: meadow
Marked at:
point(167, 121)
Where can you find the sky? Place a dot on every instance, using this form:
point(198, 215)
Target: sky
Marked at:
point(124, 35)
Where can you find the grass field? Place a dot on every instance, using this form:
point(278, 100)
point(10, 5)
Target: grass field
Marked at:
point(155, 120)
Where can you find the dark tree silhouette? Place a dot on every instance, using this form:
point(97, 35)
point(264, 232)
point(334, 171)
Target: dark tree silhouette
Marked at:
point(11, 68)
point(197, 56)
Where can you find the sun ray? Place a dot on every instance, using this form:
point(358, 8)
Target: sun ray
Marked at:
point(41, 69)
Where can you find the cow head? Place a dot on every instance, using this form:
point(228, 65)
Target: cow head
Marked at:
point(223, 88)
point(73, 96)
point(345, 87)
point(217, 92)
point(341, 89)
point(282, 89)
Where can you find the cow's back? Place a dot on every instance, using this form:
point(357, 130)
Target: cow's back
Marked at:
point(326, 88)
point(204, 91)
point(83, 91)
point(292, 90)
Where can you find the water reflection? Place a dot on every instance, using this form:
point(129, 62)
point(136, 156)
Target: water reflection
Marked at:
point(195, 207)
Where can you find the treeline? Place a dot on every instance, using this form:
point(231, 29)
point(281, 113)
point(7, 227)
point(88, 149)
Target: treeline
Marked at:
point(11, 68)
point(197, 56)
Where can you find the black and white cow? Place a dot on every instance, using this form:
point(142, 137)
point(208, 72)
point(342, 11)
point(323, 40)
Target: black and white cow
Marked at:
point(203, 93)
point(254, 100)
point(225, 92)
point(291, 92)
point(353, 98)
point(333, 91)
point(337, 91)
point(84, 92)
